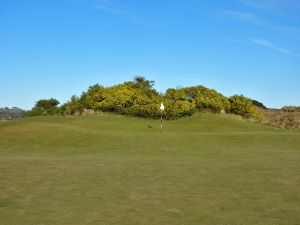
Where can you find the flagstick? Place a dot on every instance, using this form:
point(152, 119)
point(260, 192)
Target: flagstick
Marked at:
point(161, 122)
point(162, 108)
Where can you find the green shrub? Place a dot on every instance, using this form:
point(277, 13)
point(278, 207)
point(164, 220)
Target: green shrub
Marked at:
point(131, 98)
point(73, 106)
point(196, 98)
point(244, 107)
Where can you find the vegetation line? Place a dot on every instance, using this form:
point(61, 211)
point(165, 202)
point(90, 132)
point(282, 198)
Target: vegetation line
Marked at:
point(139, 98)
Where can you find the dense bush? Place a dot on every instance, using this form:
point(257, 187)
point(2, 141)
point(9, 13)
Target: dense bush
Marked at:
point(208, 99)
point(93, 97)
point(190, 99)
point(244, 107)
point(73, 106)
point(135, 98)
point(138, 98)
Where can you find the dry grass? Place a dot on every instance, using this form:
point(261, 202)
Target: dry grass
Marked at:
point(281, 118)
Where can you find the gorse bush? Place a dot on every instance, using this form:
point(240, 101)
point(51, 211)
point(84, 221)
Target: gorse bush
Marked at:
point(130, 98)
point(73, 106)
point(244, 107)
point(139, 98)
point(186, 101)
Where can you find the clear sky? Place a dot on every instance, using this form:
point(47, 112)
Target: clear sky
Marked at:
point(57, 48)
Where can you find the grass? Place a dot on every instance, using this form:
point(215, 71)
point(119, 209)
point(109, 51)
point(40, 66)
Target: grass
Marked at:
point(110, 170)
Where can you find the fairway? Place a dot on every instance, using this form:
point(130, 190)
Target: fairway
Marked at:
point(116, 170)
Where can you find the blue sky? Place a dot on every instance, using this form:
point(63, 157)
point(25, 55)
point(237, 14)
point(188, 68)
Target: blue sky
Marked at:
point(57, 48)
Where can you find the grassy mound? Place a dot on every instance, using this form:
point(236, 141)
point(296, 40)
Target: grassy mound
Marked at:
point(108, 169)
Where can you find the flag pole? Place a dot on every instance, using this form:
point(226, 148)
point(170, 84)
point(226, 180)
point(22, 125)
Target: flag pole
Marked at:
point(162, 108)
point(161, 121)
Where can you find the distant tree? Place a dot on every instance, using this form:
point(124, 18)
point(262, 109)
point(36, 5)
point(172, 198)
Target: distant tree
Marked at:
point(47, 104)
point(45, 107)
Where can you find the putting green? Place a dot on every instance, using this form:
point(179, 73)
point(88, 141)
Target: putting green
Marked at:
point(108, 169)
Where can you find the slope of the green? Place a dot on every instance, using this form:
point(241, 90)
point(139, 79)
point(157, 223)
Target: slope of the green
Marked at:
point(108, 169)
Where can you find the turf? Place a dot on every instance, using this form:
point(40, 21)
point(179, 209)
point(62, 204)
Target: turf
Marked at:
point(111, 170)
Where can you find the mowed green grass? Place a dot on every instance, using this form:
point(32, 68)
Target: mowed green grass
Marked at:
point(116, 170)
